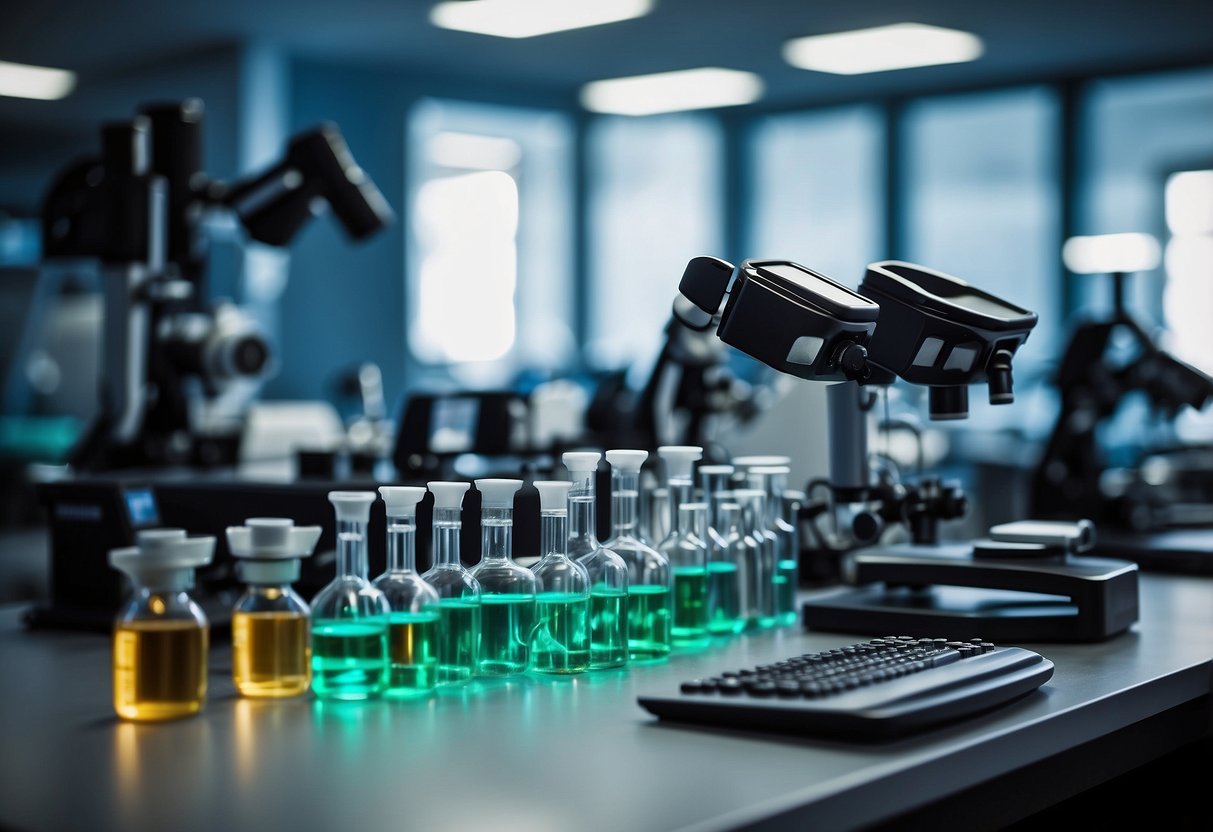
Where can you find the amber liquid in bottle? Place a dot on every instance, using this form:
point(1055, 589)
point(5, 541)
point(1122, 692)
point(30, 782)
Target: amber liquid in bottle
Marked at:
point(271, 654)
point(159, 669)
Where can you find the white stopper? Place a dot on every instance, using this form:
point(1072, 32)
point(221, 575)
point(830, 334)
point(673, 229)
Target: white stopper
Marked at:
point(627, 461)
point(753, 461)
point(497, 493)
point(271, 538)
point(352, 506)
point(448, 494)
point(714, 470)
point(553, 495)
point(581, 461)
point(401, 500)
point(679, 460)
point(162, 552)
point(769, 470)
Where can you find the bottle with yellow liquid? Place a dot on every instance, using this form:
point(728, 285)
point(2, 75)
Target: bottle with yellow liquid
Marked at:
point(161, 636)
point(413, 621)
point(271, 633)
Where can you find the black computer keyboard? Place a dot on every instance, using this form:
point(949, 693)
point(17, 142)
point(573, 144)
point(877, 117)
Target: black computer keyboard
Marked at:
point(876, 689)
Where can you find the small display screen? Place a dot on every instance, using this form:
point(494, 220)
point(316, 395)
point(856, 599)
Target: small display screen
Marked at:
point(141, 507)
point(815, 284)
point(453, 424)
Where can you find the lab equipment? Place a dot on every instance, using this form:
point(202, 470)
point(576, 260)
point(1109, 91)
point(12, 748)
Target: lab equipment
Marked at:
point(507, 590)
point(607, 570)
point(560, 641)
point(727, 570)
point(758, 560)
point(413, 620)
point(141, 208)
point(458, 592)
point(349, 616)
point(774, 480)
point(271, 634)
point(657, 515)
point(649, 577)
point(714, 479)
point(875, 690)
point(686, 552)
point(161, 636)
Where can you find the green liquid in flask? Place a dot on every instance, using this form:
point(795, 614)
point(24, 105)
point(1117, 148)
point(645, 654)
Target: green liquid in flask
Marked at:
point(412, 653)
point(786, 579)
point(458, 640)
point(349, 659)
point(506, 621)
point(608, 629)
point(648, 621)
point(690, 605)
point(560, 642)
point(723, 600)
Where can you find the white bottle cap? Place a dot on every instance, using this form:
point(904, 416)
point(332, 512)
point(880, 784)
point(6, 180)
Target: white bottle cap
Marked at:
point(767, 470)
point(581, 461)
point(271, 538)
point(752, 461)
point(401, 500)
point(163, 552)
point(553, 494)
point(497, 493)
point(679, 460)
point(448, 494)
point(352, 506)
point(712, 470)
point(628, 461)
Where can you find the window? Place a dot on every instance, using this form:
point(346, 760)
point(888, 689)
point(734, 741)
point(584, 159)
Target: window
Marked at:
point(490, 240)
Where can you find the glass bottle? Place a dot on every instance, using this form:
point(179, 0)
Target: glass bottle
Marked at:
point(650, 590)
point(458, 592)
point(658, 527)
point(560, 641)
point(686, 552)
point(507, 590)
point(349, 616)
point(726, 562)
point(773, 479)
point(713, 480)
point(413, 621)
point(160, 635)
point(608, 573)
point(791, 502)
point(271, 629)
point(759, 602)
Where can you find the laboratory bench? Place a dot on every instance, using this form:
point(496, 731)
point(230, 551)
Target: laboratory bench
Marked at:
point(561, 754)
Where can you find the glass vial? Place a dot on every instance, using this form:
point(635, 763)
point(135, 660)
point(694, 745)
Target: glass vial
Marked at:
point(773, 479)
point(560, 641)
point(759, 571)
point(726, 569)
point(349, 616)
point(413, 621)
point(161, 636)
point(608, 573)
point(271, 629)
point(650, 591)
point(507, 590)
point(458, 592)
point(686, 551)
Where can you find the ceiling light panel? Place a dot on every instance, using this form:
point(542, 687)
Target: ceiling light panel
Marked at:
point(884, 48)
point(668, 92)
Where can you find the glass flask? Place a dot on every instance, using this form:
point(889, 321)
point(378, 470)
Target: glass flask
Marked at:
point(161, 636)
point(271, 630)
point(759, 579)
point(458, 592)
point(413, 621)
point(560, 641)
point(650, 591)
point(608, 573)
point(349, 616)
point(686, 551)
point(774, 480)
point(713, 479)
point(507, 590)
point(726, 570)
point(658, 513)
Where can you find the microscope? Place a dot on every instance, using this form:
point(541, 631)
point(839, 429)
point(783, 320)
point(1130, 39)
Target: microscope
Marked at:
point(1028, 581)
point(139, 209)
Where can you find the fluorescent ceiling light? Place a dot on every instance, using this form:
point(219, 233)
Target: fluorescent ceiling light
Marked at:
point(667, 92)
point(470, 151)
point(1111, 253)
point(42, 82)
point(899, 46)
point(528, 18)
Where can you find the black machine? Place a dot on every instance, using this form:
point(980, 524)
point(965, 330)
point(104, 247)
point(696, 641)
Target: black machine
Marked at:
point(930, 329)
point(139, 209)
point(875, 690)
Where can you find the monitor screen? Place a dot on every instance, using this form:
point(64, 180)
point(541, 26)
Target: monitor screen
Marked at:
point(453, 424)
point(141, 507)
